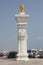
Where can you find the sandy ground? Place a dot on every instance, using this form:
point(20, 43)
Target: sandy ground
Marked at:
point(14, 62)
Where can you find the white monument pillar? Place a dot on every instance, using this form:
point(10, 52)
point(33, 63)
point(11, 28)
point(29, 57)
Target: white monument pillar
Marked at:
point(22, 34)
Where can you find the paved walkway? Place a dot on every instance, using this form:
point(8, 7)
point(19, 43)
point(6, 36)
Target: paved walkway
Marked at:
point(13, 62)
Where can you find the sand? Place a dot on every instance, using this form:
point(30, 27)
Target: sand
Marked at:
point(14, 62)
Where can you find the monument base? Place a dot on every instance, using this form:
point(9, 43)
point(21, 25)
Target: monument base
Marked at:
point(23, 57)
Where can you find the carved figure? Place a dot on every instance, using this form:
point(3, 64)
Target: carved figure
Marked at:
point(22, 34)
point(21, 8)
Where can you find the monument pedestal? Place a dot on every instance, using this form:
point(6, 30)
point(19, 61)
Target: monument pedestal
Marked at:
point(22, 35)
point(23, 57)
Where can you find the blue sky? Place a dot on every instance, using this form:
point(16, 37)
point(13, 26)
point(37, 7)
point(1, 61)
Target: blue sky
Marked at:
point(8, 25)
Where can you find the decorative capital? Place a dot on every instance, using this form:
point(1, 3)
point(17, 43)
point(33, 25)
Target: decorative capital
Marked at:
point(21, 8)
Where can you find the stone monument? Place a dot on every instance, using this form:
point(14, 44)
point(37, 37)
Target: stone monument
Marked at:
point(21, 19)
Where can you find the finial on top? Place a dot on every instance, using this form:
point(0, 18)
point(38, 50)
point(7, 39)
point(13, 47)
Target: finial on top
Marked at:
point(22, 8)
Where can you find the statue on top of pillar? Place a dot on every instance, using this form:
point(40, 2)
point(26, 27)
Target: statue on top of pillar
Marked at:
point(21, 8)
